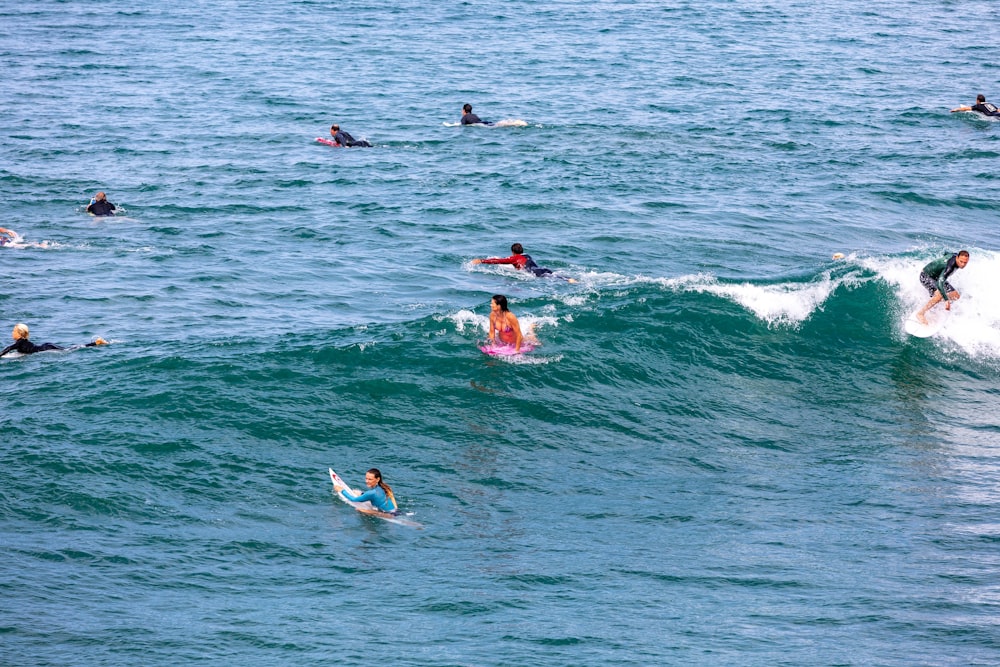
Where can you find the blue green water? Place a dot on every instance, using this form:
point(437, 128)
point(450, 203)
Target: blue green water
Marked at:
point(726, 451)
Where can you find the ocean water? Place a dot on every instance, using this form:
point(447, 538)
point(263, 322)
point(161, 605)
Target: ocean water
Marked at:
point(725, 451)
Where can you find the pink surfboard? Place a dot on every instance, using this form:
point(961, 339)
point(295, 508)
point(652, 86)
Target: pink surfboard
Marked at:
point(505, 349)
point(327, 142)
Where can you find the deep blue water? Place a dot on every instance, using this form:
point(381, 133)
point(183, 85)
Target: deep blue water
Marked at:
point(726, 451)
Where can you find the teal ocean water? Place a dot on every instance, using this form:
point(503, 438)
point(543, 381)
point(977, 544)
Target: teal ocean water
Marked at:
point(726, 451)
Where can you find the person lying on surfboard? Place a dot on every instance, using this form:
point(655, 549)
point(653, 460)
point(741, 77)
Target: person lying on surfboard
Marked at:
point(345, 140)
point(25, 346)
point(521, 261)
point(469, 118)
point(935, 278)
point(100, 206)
point(378, 494)
point(981, 106)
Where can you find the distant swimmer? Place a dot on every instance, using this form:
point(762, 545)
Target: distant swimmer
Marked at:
point(504, 327)
point(935, 278)
point(25, 346)
point(521, 261)
point(7, 236)
point(981, 106)
point(469, 118)
point(100, 206)
point(345, 140)
point(379, 494)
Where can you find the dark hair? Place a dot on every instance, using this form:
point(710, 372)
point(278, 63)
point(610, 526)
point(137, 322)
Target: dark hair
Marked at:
point(980, 99)
point(335, 127)
point(962, 253)
point(385, 487)
point(517, 249)
point(501, 301)
point(467, 108)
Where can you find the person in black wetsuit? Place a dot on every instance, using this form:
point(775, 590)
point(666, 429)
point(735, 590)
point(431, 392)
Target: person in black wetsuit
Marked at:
point(25, 346)
point(981, 106)
point(346, 140)
point(101, 206)
point(469, 118)
point(934, 277)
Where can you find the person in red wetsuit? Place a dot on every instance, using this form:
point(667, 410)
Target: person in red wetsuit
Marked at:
point(520, 261)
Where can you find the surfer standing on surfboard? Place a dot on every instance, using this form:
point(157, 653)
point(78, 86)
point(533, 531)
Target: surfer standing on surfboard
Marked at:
point(379, 494)
point(935, 278)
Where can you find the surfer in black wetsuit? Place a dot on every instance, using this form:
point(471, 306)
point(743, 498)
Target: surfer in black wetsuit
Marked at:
point(469, 118)
point(25, 346)
point(344, 139)
point(935, 278)
point(100, 206)
point(981, 106)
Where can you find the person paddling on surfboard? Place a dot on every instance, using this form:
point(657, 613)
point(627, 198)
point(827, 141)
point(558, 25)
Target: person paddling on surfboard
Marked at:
point(379, 494)
point(100, 206)
point(7, 236)
point(469, 118)
point(345, 140)
point(25, 346)
point(521, 261)
point(981, 106)
point(935, 278)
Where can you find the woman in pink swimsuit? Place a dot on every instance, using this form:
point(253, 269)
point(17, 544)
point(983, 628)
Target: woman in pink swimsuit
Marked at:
point(503, 324)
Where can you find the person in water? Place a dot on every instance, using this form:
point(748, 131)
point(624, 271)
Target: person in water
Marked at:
point(345, 140)
point(469, 118)
point(379, 494)
point(981, 106)
point(504, 326)
point(25, 346)
point(7, 236)
point(935, 278)
point(521, 261)
point(100, 205)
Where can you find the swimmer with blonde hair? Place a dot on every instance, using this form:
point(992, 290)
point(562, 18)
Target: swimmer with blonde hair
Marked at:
point(25, 346)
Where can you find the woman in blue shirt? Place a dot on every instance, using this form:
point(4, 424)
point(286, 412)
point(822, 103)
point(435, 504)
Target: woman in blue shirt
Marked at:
point(378, 494)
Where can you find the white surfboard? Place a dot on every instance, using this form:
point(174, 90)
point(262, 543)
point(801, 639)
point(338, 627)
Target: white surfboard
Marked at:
point(936, 318)
point(366, 507)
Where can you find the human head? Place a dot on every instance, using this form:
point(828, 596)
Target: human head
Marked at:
point(100, 196)
point(373, 477)
point(467, 108)
point(980, 99)
point(962, 258)
point(501, 301)
point(20, 331)
point(517, 249)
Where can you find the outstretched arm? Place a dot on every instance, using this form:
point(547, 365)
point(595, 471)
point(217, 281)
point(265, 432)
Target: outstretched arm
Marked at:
point(962, 109)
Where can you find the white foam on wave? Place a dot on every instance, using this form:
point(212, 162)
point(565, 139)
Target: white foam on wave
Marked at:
point(974, 325)
point(511, 122)
point(779, 303)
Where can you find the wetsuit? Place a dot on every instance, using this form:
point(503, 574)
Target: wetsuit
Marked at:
point(935, 275)
point(472, 119)
point(345, 139)
point(103, 207)
point(4, 240)
point(520, 262)
point(379, 499)
point(25, 346)
point(986, 109)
